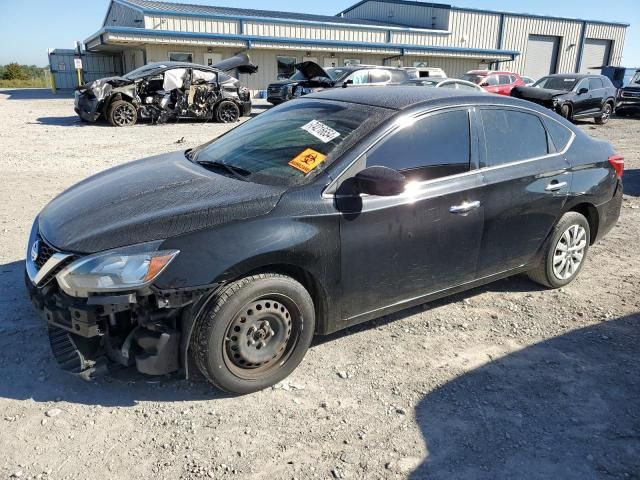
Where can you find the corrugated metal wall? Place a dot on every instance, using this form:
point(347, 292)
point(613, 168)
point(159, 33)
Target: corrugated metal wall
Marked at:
point(468, 30)
point(123, 16)
point(191, 24)
point(616, 33)
point(423, 16)
point(283, 30)
point(516, 35)
point(94, 66)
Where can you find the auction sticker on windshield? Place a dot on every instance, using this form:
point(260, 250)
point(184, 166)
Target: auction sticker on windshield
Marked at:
point(322, 132)
point(307, 160)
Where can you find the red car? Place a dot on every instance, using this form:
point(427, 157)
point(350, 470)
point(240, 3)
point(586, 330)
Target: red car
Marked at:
point(495, 82)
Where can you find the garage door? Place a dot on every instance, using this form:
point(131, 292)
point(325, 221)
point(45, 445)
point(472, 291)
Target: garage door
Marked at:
point(597, 53)
point(542, 56)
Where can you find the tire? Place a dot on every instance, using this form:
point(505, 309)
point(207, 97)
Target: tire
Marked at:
point(605, 115)
point(565, 111)
point(255, 333)
point(227, 112)
point(122, 114)
point(550, 272)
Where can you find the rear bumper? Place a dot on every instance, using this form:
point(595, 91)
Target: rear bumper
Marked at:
point(609, 212)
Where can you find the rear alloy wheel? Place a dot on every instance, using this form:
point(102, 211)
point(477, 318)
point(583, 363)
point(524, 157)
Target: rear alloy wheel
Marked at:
point(604, 117)
point(122, 114)
point(255, 333)
point(227, 112)
point(564, 252)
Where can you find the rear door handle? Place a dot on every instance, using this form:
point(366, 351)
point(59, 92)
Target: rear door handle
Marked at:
point(555, 186)
point(465, 207)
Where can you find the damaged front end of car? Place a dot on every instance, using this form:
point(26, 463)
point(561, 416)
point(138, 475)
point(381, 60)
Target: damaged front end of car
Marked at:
point(91, 98)
point(102, 309)
point(551, 99)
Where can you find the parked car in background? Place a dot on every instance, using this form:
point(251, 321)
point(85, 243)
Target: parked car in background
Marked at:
point(628, 102)
point(425, 72)
point(494, 82)
point(339, 207)
point(574, 96)
point(311, 77)
point(452, 83)
point(528, 81)
point(164, 91)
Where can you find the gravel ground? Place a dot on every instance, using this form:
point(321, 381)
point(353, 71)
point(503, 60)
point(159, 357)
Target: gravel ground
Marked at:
point(501, 382)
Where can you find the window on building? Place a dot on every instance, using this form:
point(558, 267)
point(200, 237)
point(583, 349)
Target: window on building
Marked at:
point(511, 136)
point(181, 57)
point(286, 67)
point(433, 147)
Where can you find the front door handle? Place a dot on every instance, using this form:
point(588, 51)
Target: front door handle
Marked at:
point(555, 186)
point(465, 207)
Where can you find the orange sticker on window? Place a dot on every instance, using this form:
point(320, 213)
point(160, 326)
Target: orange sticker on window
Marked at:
point(307, 160)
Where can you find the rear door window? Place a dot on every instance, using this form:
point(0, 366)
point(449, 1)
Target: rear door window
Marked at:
point(595, 84)
point(511, 136)
point(504, 79)
point(433, 147)
point(560, 134)
point(379, 76)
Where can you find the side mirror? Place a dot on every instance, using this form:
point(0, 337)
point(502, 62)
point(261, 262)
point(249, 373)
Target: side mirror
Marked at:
point(380, 181)
point(583, 90)
point(484, 84)
point(348, 82)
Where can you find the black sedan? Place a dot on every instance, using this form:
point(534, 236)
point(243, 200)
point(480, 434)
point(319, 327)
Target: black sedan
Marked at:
point(163, 91)
point(574, 97)
point(322, 213)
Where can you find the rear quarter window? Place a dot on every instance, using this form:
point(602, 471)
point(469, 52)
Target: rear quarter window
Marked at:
point(560, 135)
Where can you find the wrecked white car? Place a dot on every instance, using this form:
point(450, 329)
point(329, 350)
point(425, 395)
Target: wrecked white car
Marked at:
point(166, 91)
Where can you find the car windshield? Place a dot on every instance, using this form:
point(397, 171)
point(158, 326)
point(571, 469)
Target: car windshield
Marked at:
point(336, 74)
point(473, 78)
point(565, 84)
point(287, 145)
point(143, 71)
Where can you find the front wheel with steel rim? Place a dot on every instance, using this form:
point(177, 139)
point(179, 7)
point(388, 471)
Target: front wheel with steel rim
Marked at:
point(254, 333)
point(122, 114)
point(227, 112)
point(605, 115)
point(564, 253)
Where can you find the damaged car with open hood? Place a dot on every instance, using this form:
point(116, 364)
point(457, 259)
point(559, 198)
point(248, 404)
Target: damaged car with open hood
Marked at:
point(574, 96)
point(311, 77)
point(165, 91)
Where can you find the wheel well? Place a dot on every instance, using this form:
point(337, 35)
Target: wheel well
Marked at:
point(308, 281)
point(591, 214)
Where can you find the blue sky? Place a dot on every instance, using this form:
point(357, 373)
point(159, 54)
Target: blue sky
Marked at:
point(29, 27)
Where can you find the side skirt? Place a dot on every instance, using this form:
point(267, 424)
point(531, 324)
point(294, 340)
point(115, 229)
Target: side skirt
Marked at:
point(412, 302)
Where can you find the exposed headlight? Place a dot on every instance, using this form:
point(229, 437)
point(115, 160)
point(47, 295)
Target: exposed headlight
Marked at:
point(121, 269)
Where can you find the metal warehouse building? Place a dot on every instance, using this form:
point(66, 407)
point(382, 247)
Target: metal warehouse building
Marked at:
point(377, 32)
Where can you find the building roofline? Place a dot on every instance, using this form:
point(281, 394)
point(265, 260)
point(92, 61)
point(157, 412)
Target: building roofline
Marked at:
point(256, 38)
point(354, 23)
point(482, 10)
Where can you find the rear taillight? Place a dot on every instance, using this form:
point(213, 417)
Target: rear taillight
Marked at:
point(617, 162)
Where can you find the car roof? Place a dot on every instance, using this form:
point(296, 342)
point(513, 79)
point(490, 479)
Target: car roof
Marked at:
point(490, 72)
point(577, 76)
point(404, 97)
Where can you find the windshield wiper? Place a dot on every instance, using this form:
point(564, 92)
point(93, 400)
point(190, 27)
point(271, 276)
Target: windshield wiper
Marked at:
point(238, 172)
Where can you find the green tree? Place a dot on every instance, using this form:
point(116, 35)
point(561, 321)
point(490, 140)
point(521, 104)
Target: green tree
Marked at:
point(13, 71)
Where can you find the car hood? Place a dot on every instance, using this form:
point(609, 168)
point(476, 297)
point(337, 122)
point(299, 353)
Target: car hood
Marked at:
point(103, 87)
point(537, 93)
point(150, 199)
point(312, 70)
point(241, 61)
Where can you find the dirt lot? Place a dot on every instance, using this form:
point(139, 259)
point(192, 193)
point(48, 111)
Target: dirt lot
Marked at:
point(502, 382)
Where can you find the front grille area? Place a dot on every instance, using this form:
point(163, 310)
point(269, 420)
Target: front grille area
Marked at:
point(45, 251)
point(274, 91)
